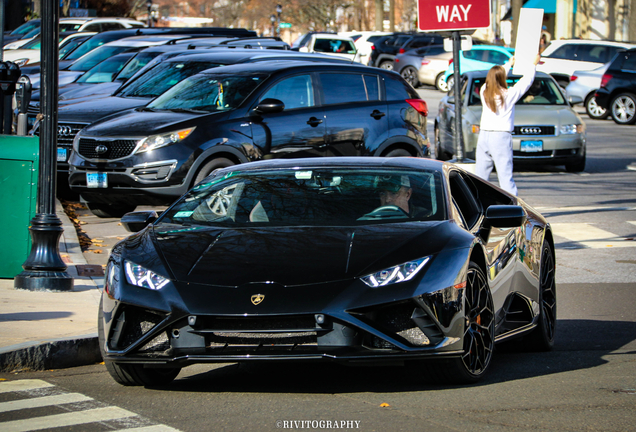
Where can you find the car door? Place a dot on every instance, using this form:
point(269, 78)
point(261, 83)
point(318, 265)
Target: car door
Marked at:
point(297, 131)
point(447, 119)
point(355, 115)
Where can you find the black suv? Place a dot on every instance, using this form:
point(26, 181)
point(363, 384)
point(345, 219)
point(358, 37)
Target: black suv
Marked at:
point(386, 48)
point(240, 113)
point(618, 88)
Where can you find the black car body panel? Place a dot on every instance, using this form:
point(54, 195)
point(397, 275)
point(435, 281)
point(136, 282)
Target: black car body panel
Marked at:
point(348, 126)
point(618, 88)
point(386, 48)
point(244, 291)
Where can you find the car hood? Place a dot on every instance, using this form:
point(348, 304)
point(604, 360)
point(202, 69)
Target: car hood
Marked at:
point(92, 110)
point(539, 114)
point(289, 256)
point(134, 122)
point(80, 89)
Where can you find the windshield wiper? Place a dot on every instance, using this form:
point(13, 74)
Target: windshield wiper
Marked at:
point(188, 110)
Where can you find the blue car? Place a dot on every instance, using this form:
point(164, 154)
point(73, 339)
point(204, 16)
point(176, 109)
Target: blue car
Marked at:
point(481, 57)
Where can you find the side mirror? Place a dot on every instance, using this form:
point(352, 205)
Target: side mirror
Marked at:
point(504, 216)
point(136, 221)
point(269, 106)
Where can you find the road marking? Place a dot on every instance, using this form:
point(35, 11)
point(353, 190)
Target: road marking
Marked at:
point(632, 222)
point(22, 385)
point(590, 236)
point(43, 401)
point(582, 209)
point(155, 428)
point(67, 419)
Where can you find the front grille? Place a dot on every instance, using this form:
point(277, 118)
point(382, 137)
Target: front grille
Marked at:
point(540, 154)
point(131, 324)
point(256, 324)
point(65, 133)
point(115, 149)
point(533, 130)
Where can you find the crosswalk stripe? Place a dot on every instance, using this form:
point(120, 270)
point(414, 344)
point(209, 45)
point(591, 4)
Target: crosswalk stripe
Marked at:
point(22, 385)
point(66, 419)
point(43, 402)
point(580, 209)
point(590, 236)
point(632, 222)
point(155, 428)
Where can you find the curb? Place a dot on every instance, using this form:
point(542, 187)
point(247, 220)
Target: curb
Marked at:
point(53, 354)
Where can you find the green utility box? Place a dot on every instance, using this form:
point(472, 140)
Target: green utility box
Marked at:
point(19, 166)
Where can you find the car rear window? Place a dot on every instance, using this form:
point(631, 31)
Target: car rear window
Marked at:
point(342, 46)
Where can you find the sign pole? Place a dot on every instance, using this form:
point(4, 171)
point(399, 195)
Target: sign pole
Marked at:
point(459, 135)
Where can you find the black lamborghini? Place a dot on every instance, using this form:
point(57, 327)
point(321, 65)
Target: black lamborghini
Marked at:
point(403, 260)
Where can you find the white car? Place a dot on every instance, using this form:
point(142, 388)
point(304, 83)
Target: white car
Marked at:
point(30, 52)
point(364, 42)
point(332, 44)
point(583, 84)
point(562, 57)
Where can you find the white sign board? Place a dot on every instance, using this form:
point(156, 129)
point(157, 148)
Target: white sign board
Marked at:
point(528, 38)
point(466, 44)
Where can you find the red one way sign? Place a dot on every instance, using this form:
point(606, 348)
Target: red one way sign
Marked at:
point(444, 15)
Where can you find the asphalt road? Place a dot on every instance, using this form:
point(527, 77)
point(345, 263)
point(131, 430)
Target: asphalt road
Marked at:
point(587, 383)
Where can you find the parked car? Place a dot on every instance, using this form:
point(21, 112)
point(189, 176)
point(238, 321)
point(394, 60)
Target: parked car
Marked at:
point(408, 63)
point(583, 85)
point(547, 130)
point(148, 83)
point(481, 57)
point(30, 52)
point(562, 57)
point(433, 68)
point(241, 113)
point(218, 276)
point(617, 93)
point(386, 48)
point(98, 24)
point(331, 44)
point(364, 41)
point(20, 31)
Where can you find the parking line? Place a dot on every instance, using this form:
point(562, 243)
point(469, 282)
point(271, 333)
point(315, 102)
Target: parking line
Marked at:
point(66, 419)
point(590, 236)
point(22, 385)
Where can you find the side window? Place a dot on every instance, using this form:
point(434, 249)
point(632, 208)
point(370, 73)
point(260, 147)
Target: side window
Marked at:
point(342, 88)
point(111, 26)
point(294, 92)
point(395, 89)
point(472, 54)
point(565, 52)
point(92, 28)
point(592, 53)
point(464, 199)
point(497, 57)
point(630, 62)
point(333, 46)
point(417, 43)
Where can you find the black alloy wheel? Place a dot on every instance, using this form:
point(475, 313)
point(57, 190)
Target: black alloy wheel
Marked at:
point(593, 110)
point(542, 337)
point(410, 75)
point(110, 210)
point(132, 374)
point(623, 109)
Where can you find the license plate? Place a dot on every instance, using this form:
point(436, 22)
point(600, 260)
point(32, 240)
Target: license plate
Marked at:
point(97, 180)
point(531, 146)
point(61, 154)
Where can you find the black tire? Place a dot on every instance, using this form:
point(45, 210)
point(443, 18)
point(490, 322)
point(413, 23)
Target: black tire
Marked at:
point(440, 154)
point(132, 375)
point(209, 167)
point(577, 165)
point(409, 74)
point(542, 337)
point(110, 210)
point(479, 337)
point(440, 83)
point(386, 65)
point(593, 110)
point(623, 109)
point(398, 153)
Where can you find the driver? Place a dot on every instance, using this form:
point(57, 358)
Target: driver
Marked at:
point(396, 191)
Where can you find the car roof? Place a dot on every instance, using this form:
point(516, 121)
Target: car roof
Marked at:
point(146, 39)
point(276, 65)
point(230, 55)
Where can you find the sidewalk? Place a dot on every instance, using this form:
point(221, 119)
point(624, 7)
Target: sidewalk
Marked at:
point(50, 330)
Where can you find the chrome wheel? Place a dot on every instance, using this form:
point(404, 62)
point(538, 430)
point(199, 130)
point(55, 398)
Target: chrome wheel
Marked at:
point(388, 65)
point(593, 110)
point(440, 83)
point(450, 82)
point(624, 108)
point(479, 335)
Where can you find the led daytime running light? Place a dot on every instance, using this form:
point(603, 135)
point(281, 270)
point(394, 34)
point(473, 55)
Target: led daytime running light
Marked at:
point(142, 277)
point(397, 274)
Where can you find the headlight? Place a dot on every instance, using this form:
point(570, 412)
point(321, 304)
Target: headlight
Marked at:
point(572, 129)
point(142, 277)
point(399, 273)
point(21, 62)
point(156, 141)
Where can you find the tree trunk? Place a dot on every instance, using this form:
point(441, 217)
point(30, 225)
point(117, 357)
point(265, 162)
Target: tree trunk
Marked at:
point(516, 8)
point(379, 15)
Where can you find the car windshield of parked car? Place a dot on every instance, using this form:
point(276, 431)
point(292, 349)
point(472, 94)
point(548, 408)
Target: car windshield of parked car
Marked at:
point(95, 57)
point(106, 70)
point(161, 77)
point(544, 91)
point(139, 61)
point(208, 93)
point(25, 28)
point(311, 197)
point(338, 46)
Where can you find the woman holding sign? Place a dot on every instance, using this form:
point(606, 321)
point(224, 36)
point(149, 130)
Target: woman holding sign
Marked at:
point(494, 146)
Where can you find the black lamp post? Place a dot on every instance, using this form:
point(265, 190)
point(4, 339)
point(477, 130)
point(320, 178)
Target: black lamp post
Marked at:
point(44, 268)
point(279, 10)
point(149, 5)
point(272, 18)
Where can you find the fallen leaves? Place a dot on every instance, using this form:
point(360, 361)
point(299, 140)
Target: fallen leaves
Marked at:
point(384, 405)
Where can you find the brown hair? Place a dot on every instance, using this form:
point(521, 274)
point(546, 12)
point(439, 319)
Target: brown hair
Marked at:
point(495, 85)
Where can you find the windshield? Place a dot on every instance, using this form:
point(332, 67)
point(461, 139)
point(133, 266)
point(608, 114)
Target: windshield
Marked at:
point(209, 93)
point(544, 91)
point(106, 70)
point(139, 61)
point(25, 28)
point(161, 77)
point(310, 197)
point(92, 43)
point(71, 44)
point(96, 56)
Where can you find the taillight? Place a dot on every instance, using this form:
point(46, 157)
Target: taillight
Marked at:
point(573, 78)
point(372, 47)
point(541, 62)
point(425, 62)
point(450, 62)
point(605, 79)
point(401, 51)
point(419, 105)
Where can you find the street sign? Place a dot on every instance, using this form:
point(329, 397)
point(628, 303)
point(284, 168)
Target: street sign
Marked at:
point(447, 15)
point(284, 25)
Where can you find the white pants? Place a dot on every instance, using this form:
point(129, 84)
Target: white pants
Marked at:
point(495, 148)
